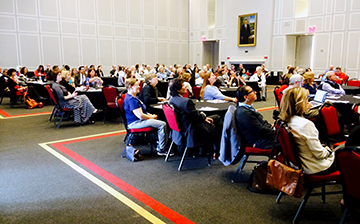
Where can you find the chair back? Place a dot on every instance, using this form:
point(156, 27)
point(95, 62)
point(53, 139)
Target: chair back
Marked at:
point(196, 91)
point(170, 117)
point(329, 115)
point(110, 94)
point(348, 161)
point(51, 95)
point(120, 104)
point(276, 95)
point(339, 81)
point(288, 144)
point(346, 79)
point(354, 83)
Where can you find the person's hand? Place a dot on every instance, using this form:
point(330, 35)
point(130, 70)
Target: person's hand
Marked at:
point(235, 100)
point(74, 94)
point(162, 99)
point(209, 120)
point(154, 116)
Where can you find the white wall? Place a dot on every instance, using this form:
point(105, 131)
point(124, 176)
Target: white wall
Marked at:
point(336, 40)
point(106, 32)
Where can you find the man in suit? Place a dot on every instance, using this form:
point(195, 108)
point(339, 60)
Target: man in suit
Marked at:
point(256, 131)
point(245, 33)
point(80, 77)
point(199, 128)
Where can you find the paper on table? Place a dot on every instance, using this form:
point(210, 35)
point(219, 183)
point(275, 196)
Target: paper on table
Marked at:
point(216, 101)
point(338, 101)
point(356, 97)
point(158, 106)
point(208, 108)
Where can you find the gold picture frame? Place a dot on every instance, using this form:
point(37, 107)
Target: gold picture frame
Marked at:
point(247, 33)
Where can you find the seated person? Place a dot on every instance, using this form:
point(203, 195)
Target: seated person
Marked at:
point(256, 131)
point(294, 81)
point(341, 75)
point(330, 85)
point(92, 80)
point(83, 108)
point(200, 129)
point(149, 93)
point(15, 89)
point(313, 156)
point(199, 80)
point(235, 81)
point(186, 78)
point(161, 74)
point(210, 92)
point(260, 78)
point(65, 75)
point(222, 77)
point(309, 83)
point(137, 116)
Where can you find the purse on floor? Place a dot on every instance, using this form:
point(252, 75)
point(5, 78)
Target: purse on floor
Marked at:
point(133, 154)
point(285, 178)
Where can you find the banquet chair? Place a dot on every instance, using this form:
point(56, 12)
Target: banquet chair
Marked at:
point(196, 91)
point(290, 155)
point(170, 115)
point(348, 161)
point(277, 96)
point(131, 132)
point(330, 118)
point(110, 94)
point(186, 95)
point(58, 110)
point(339, 81)
point(353, 83)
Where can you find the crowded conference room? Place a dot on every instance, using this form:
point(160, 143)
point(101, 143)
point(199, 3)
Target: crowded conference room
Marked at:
point(180, 111)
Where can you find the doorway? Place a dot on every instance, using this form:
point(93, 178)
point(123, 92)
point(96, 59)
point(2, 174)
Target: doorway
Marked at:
point(299, 51)
point(211, 53)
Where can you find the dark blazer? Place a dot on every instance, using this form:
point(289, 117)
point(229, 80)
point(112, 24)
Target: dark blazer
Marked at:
point(254, 128)
point(68, 87)
point(149, 95)
point(244, 34)
point(77, 79)
point(193, 122)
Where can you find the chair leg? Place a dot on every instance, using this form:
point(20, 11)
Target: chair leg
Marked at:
point(62, 115)
point(303, 203)
point(279, 197)
point(168, 153)
point(323, 193)
point(104, 115)
point(343, 217)
point(126, 144)
point(182, 159)
point(240, 167)
point(52, 114)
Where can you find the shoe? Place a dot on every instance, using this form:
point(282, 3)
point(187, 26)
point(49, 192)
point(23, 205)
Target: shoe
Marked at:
point(88, 122)
point(216, 156)
point(164, 153)
point(96, 111)
point(263, 98)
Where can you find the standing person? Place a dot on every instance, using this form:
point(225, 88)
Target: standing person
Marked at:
point(245, 33)
point(200, 129)
point(260, 78)
point(314, 157)
point(138, 117)
point(83, 108)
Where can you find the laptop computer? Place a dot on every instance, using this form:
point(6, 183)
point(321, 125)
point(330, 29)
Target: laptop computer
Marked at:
point(319, 98)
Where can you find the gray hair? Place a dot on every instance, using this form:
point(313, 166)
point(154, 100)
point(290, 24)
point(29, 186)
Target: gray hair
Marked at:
point(296, 78)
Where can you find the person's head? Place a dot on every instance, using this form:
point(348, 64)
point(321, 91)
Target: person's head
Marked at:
point(11, 72)
point(151, 79)
point(308, 70)
point(309, 78)
point(258, 70)
point(177, 87)
point(291, 70)
point(246, 94)
point(99, 67)
point(23, 70)
point(57, 77)
point(294, 102)
point(91, 73)
point(82, 69)
point(241, 66)
point(67, 67)
point(148, 67)
point(296, 80)
point(132, 85)
point(286, 79)
point(48, 66)
point(40, 69)
point(73, 72)
point(245, 21)
point(331, 67)
point(330, 75)
point(5, 72)
point(206, 82)
point(161, 69)
point(65, 74)
point(338, 70)
point(186, 77)
point(232, 73)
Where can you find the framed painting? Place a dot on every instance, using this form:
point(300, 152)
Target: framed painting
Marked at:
point(247, 30)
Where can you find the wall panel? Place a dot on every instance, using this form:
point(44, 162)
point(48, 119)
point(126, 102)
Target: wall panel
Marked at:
point(135, 12)
point(121, 52)
point(8, 45)
point(68, 9)
point(71, 51)
point(354, 21)
point(336, 52)
point(87, 10)
point(149, 12)
point(104, 12)
point(28, 24)
point(49, 26)
point(120, 11)
point(45, 5)
point(30, 49)
point(322, 42)
point(106, 53)
point(162, 52)
point(7, 23)
point(51, 50)
point(352, 54)
point(26, 7)
point(316, 7)
point(88, 46)
point(278, 52)
point(135, 52)
point(150, 52)
point(7, 6)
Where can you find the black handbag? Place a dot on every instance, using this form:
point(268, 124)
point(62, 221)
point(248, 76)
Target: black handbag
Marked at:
point(133, 154)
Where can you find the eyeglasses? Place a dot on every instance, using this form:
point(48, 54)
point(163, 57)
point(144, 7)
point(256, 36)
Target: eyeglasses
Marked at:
point(251, 92)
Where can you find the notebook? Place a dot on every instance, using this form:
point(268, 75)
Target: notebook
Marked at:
point(319, 98)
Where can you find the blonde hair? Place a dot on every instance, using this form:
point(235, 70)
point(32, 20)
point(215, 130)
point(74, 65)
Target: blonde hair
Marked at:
point(64, 73)
point(149, 76)
point(186, 77)
point(293, 103)
point(205, 83)
point(130, 82)
point(307, 78)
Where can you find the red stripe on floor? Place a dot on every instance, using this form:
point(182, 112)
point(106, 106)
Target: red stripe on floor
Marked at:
point(152, 203)
point(264, 109)
point(3, 113)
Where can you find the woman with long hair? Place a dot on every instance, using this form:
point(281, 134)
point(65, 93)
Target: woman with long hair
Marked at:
point(309, 83)
point(211, 92)
point(314, 157)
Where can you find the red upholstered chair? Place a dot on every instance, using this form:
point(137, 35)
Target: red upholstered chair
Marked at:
point(277, 96)
point(186, 95)
point(196, 91)
point(110, 94)
point(345, 80)
point(130, 133)
point(339, 81)
point(331, 121)
point(58, 111)
point(348, 161)
point(354, 83)
point(290, 154)
point(170, 115)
